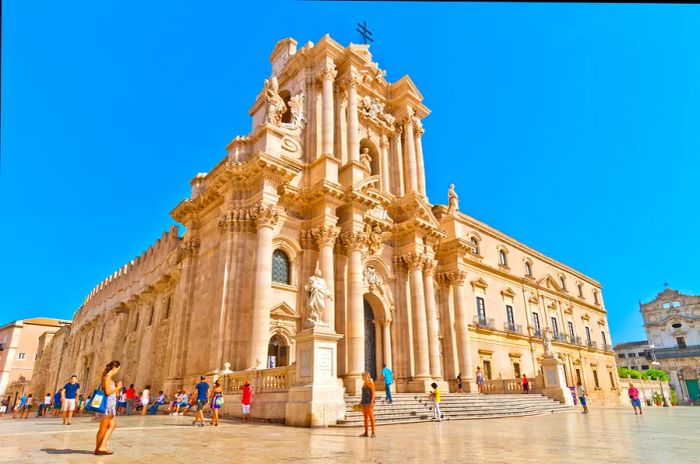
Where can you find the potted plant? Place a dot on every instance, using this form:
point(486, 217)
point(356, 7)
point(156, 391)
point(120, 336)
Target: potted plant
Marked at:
point(656, 398)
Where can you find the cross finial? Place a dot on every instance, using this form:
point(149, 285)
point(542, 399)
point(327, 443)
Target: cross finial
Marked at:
point(666, 284)
point(364, 32)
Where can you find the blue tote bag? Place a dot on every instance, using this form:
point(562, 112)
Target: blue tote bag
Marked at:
point(97, 402)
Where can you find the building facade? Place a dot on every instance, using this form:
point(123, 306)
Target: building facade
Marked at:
point(633, 355)
point(331, 177)
point(21, 343)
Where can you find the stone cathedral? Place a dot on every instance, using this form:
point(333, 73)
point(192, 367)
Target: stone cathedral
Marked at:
point(331, 177)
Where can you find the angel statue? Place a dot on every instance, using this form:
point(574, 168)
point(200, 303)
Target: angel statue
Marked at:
point(318, 292)
point(453, 200)
point(275, 104)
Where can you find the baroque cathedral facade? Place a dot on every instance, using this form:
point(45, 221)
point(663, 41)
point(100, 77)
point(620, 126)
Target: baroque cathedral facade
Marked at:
point(332, 177)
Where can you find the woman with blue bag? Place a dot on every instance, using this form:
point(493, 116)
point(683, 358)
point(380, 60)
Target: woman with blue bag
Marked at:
point(104, 401)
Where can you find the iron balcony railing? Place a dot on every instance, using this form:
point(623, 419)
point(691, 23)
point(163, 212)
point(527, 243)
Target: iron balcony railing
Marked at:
point(513, 328)
point(576, 341)
point(560, 337)
point(537, 333)
point(487, 322)
point(592, 344)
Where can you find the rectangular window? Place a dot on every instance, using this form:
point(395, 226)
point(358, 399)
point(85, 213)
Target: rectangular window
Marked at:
point(612, 382)
point(555, 326)
point(631, 355)
point(516, 370)
point(645, 367)
point(642, 354)
point(480, 308)
point(634, 367)
point(621, 355)
point(681, 343)
point(509, 316)
point(487, 370)
point(588, 335)
point(572, 334)
point(595, 378)
point(578, 375)
point(536, 322)
point(604, 338)
point(21, 355)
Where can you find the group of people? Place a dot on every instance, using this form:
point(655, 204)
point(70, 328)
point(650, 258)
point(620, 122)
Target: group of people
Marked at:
point(67, 401)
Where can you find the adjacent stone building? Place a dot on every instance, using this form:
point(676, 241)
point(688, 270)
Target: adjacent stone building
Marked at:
point(332, 176)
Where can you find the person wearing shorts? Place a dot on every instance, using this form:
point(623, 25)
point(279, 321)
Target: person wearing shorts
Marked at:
point(69, 397)
point(3, 408)
point(634, 399)
point(27, 407)
point(246, 399)
point(202, 394)
point(581, 393)
point(57, 403)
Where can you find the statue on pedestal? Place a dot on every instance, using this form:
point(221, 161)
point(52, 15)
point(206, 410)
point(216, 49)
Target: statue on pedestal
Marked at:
point(276, 106)
point(366, 159)
point(318, 292)
point(548, 342)
point(453, 200)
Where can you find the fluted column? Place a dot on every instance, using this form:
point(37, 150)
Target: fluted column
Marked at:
point(384, 168)
point(431, 314)
point(420, 166)
point(328, 74)
point(353, 121)
point(325, 237)
point(355, 330)
point(399, 172)
point(410, 156)
point(420, 329)
point(464, 353)
point(386, 339)
point(378, 343)
point(266, 218)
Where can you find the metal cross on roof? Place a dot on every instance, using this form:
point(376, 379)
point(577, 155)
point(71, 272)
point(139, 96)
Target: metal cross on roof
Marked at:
point(364, 33)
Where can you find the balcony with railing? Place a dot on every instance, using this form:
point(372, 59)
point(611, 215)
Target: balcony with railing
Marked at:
point(485, 322)
point(576, 341)
point(608, 347)
point(536, 332)
point(513, 328)
point(591, 344)
point(561, 337)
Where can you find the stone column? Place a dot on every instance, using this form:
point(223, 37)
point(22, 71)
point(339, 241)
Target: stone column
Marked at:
point(464, 352)
point(431, 314)
point(384, 165)
point(353, 121)
point(419, 157)
point(325, 237)
point(386, 339)
point(355, 329)
point(266, 218)
point(378, 343)
point(328, 74)
point(399, 164)
point(410, 156)
point(420, 331)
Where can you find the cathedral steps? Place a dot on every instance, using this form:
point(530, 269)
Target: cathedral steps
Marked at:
point(412, 407)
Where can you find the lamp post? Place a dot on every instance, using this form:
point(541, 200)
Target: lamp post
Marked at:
point(656, 363)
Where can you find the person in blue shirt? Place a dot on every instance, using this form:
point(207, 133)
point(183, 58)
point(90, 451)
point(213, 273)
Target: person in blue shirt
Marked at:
point(57, 403)
point(388, 380)
point(69, 394)
point(202, 395)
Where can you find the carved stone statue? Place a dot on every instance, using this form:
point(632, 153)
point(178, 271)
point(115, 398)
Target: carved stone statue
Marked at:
point(318, 292)
point(373, 280)
point(453, 200)
point(366, 159)
point(296, 106)
point(275, 104)
point(548, 342)
point(375, 238)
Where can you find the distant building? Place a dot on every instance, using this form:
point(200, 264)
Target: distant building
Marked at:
point(19, 346)
point(633, 355)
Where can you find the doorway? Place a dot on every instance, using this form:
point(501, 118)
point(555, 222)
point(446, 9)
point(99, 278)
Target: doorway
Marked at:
point(370, 342)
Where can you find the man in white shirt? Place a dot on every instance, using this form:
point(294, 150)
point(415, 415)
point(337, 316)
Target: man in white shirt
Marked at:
point(581, 393)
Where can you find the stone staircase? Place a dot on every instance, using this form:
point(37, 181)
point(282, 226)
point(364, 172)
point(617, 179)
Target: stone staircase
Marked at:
point(415, 407)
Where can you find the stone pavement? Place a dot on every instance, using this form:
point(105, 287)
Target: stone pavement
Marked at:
point(613, 435)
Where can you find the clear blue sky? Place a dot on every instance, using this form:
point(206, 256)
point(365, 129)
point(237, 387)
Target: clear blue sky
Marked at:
point(577, 128)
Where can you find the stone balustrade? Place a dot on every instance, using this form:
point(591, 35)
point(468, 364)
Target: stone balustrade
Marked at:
point(262, 380)
point(505, 386)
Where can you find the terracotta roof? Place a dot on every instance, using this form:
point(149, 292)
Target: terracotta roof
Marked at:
point(46, 321)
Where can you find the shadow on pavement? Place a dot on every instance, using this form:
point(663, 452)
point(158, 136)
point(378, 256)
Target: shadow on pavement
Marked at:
point(65, 451)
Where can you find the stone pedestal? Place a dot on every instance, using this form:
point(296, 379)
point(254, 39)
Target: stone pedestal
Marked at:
point(317, 397)
point(555, 386)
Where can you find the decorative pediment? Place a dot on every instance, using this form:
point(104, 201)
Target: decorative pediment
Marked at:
point(569, 309)
point(601, 322)
point(284, 311)
point(508, 292)
point(532, 299)
point(479, 283)
point(586, 317)
point(552, 284)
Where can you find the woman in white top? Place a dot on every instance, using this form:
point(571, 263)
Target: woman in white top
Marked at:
point(145, 398)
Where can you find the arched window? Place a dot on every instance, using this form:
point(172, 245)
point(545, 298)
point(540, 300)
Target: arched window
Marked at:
point(528, 269)
point(562, 281)
point(277, 352)
point(475, 245)
point(502, 258)
point(280, 267)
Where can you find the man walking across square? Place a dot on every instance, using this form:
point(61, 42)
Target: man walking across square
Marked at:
point(130, 396)
point(388, 381)
point(69, 396)
point(202, 394)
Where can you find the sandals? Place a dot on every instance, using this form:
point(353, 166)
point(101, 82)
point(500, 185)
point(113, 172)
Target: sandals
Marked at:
point(103, 453)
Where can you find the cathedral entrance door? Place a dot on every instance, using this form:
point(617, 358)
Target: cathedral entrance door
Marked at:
point(370, 342)
point(692, 385)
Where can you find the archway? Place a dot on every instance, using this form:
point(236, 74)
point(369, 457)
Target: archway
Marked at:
point(370, 341)
point(277, 352)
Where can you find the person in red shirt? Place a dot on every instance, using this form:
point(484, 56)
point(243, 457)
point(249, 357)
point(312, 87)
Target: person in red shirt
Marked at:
point(526, 384)
point(246, 399)
point(130, 396)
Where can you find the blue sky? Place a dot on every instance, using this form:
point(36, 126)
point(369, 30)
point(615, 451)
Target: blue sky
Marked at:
point(576, 128)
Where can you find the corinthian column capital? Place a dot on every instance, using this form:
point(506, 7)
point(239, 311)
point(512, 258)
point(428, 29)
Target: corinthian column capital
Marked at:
point(414, 260)
point(328, 72)
point(264, 215)
point(354, 240)
point(325, 235)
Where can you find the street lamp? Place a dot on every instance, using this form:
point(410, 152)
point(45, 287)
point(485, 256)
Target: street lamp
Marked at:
point(656, 363)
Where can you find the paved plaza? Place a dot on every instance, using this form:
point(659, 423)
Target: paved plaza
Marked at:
point(613, 435)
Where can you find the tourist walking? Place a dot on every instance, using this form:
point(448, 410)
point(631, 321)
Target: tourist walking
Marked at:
point(145, 399)
point(388, 382)
point(44, 406)
point(217, 400)
point(633, 393)
point(246, 399)
point(27, 407)
point(57, 403)
point(108, 422)
point(581, 393)
point(435, 397)
point(480, 380)
point(202, 394)
point(367, 403)
point(3, 407)
point(69, 395)
point(130, 397)
point(19, 404)
point(526, 384)
point(460, 383)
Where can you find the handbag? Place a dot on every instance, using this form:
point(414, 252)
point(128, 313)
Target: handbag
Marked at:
point(357, 407)
point(219, 401)
point(97, 402)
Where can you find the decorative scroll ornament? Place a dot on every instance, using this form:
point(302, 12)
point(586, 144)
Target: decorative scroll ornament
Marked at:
point(373, 109)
